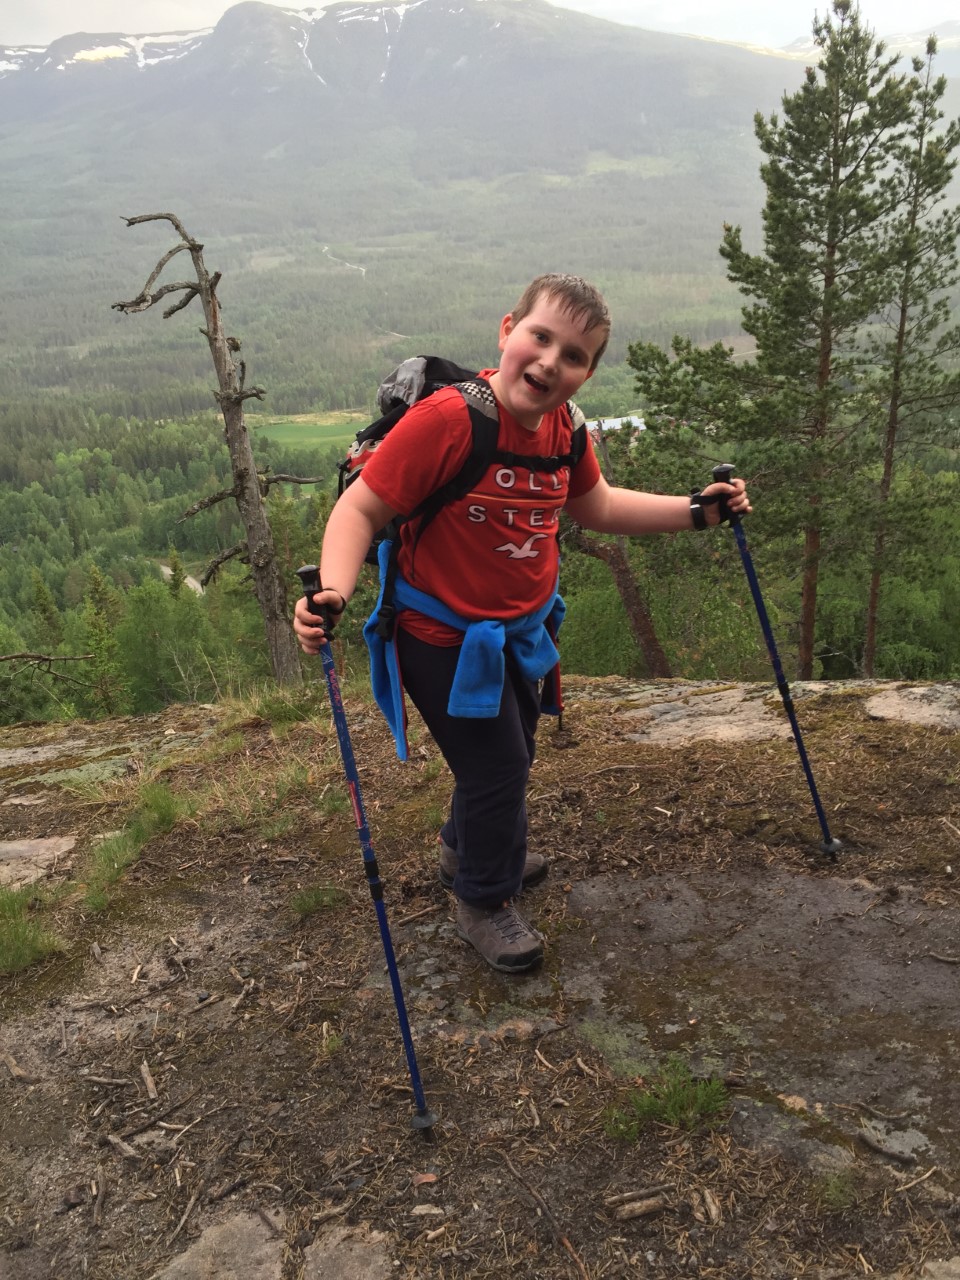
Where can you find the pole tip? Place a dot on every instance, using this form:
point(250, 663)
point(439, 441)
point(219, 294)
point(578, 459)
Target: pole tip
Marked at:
point(424, 1121)
point(831, 848)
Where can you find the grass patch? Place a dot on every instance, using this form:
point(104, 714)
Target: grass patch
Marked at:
point(333, 801)
point(218, 748)
point(23, 939)
point(158, 811)
point(317, 899)
point(433, 818)
point(673, 1098)
point(836, 1192)
point(281, 709)
point(276, 828)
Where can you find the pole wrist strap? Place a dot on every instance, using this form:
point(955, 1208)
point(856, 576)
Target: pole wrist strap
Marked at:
point(698, 501)
point(697, 513)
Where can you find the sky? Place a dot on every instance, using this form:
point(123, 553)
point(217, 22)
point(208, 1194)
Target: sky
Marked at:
point(772, 23)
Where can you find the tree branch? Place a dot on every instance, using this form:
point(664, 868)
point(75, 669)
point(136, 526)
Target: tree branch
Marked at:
point(37, 659)
point(43, 662)
point(211, 501)
point(237, 397)
point(145, 300)
point(185, 301)
point(213, 568)
point(282, 478)
point(168, 217)
point(155, 273)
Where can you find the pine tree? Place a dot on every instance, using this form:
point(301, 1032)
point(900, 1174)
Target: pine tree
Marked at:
point(46, 611)
point(108, 692)
point(914, 387)
point(178, 575)
point(824, 273)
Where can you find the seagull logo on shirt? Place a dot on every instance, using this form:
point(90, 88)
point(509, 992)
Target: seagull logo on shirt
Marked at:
point(526, 552)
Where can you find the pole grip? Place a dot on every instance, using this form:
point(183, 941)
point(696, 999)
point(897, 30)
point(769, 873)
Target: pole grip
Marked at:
point(309, 576)
point(721, 475)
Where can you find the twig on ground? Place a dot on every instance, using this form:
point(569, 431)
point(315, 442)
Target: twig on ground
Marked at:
point(188, 1210)
point(101, 1193)
point(639, 1208)
point(548, 1214)
point(417, 915)
point(880, 1115)
point(148, 1081)
point(936, 955)
point(124, 1148)
point(268, 1222)
point(906, 1187)
point(643, 1193)
point(149, 1124)
point(611, 768)
point(199, 1008)
point(220, 1193)
point(248, 987)
point(326, 1214)
point(205, 1115)
point(120, 1008)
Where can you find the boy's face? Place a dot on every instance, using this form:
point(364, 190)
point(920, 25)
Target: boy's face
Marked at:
point(546, 359)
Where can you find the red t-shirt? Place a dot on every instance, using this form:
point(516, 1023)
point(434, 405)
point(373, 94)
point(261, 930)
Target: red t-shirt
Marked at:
point(493, 553)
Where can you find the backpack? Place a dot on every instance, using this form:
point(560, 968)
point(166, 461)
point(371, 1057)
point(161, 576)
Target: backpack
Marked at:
point(412, 381)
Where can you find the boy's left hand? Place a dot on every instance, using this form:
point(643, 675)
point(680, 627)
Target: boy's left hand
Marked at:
point(735, 496)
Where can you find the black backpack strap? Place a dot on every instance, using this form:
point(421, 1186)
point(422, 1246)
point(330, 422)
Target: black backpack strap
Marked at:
point(536, 462)
point(485, 430)
point(578, 440)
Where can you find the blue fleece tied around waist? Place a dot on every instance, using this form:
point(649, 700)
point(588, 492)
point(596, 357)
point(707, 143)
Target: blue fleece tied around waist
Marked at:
point(478, 683)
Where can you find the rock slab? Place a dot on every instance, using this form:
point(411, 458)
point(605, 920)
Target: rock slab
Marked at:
point(23, 861)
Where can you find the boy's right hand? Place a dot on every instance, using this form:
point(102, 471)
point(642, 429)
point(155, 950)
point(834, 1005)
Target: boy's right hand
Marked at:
point(309, 626)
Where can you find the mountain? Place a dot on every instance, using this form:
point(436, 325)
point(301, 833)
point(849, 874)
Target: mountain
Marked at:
point(909, 44)
point(560, 82)
point(372, 179)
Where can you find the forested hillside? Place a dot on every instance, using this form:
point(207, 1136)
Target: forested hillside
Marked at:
point(91, 508)
point(370, 190)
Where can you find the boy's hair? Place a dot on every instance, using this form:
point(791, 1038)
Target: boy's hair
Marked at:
point(576, 296)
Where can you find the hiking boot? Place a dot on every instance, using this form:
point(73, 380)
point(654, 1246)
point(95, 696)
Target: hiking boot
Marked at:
point(501, 935)
point(534, 869)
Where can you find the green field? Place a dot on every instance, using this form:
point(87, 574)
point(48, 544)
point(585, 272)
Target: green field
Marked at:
point(308, 430)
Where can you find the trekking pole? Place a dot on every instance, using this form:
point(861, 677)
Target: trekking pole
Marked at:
point(828, 845)
point(309, 575)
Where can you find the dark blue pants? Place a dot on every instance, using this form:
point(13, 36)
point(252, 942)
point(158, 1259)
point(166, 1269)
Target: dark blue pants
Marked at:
point(490, 761)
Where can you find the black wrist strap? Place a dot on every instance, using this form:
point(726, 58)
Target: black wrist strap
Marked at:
point(697, 513)
point(700, 500)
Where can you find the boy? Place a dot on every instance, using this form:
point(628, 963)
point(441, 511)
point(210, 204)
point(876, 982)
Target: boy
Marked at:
point(477, 595)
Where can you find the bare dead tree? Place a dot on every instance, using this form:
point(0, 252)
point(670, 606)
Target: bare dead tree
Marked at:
point(249, 486)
